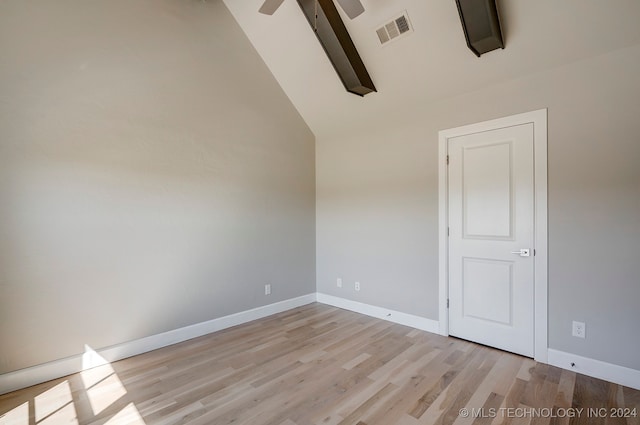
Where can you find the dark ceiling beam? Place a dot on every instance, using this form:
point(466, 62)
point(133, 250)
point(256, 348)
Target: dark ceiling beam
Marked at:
point(481, 25)
point(337, 43)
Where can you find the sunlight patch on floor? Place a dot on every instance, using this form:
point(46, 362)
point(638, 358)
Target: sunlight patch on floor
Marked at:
point(16, 416)
point(100, 381)
point(105, 393)
point(65, 415)
point(56, 405)
point(129, 415)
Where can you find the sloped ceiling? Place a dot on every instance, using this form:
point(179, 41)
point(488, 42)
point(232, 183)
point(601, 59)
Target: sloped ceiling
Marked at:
point(433, 63)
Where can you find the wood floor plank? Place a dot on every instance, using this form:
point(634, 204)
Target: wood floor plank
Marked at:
point(511, 401)
point(319, 365)
point(564, 397)
point(413, 382)
point(632, 403)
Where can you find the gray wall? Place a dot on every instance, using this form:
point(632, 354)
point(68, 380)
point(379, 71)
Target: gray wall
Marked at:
point(152, 175)
point(377, 199)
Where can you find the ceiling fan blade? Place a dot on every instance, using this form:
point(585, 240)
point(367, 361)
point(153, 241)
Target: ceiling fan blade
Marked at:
point(270, 6)
point(352, 8)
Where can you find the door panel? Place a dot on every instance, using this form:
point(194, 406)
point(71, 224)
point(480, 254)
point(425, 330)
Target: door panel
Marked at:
point(491, 215)
point(487, 191)
point(487, 290)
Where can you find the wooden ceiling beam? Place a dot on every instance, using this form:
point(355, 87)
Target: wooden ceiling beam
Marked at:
point(337, 43)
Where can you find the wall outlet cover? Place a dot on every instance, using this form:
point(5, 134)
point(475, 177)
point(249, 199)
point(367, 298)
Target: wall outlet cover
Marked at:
point(579, 329)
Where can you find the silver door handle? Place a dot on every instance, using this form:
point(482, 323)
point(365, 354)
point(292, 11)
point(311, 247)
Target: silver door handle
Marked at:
point(524, 252)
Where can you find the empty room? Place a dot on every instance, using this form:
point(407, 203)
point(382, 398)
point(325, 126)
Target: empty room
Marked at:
point(319, 212)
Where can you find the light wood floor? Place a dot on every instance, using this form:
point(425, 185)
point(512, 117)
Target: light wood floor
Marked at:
point(322, 365)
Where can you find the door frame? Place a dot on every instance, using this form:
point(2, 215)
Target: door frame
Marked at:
point(539, 120)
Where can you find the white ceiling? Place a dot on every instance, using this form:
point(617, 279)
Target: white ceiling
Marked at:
point(432, 63)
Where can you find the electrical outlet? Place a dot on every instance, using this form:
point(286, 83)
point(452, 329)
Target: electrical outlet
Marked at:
point(339, 282)
point(357, 286)
point(579, 329)
point(267, 289)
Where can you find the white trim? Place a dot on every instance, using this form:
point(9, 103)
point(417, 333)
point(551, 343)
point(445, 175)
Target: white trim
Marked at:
point(541, 348)
point(56, 369)
point(411, 320)
point(595, 368)
point(539, 120)
point(443, 240)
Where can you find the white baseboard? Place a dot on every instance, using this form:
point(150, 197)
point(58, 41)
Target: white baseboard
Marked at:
point(56, 369)
point(595, 368)
point(417, 322)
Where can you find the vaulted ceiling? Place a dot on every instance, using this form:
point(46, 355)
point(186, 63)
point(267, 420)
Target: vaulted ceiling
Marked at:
point(433, 62)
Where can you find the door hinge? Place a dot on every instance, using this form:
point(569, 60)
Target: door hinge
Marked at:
point(448, 232)
point(447, 159)
point(534, 252)
point(447, 302)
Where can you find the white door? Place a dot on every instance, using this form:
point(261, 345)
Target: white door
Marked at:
point(491, 235)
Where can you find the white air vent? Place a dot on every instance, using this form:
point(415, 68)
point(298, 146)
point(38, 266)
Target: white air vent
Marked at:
point(394, 29)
